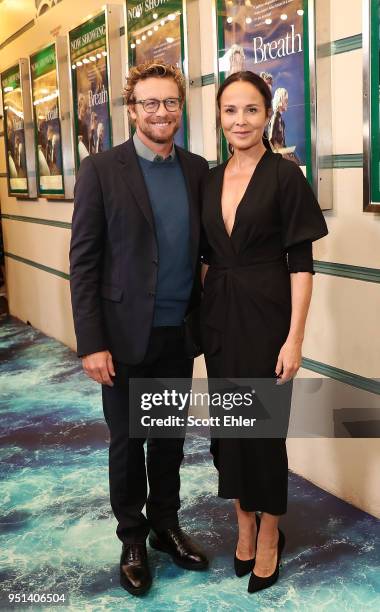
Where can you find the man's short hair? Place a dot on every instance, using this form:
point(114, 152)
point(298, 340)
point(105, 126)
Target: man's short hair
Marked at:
point(152, 69)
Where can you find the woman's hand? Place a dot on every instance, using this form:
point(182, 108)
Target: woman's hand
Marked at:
point(289, 360)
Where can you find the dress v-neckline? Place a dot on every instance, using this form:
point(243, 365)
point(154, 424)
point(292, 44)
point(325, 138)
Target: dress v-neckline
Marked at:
point(229, 236)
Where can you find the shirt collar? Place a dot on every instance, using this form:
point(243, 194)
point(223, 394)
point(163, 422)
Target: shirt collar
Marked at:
point(143, 151)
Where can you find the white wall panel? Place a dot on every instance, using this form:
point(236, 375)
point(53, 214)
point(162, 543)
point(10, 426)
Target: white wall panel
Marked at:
point(346, 18)
point(42, 299)
point(347, 92)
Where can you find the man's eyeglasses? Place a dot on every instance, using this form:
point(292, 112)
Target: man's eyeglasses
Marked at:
point(152, 105)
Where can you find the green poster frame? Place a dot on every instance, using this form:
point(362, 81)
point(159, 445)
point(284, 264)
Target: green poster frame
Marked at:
point(137, 22)
point(47, 57)
point(372, 146)
point(223, 153)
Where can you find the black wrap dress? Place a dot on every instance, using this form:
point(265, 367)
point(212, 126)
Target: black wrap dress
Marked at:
point(246, 308)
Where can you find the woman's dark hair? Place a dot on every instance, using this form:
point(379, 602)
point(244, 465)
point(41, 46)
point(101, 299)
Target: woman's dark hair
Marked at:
point(247, 76)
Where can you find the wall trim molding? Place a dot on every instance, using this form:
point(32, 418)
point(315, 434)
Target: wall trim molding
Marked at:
point(342, 160)
point(208, 79)
point(345, 45)
point(37, 265)
point(18, 33)
point(349, 378)
point(369, 275)
point(361, 273)
point(51, 222)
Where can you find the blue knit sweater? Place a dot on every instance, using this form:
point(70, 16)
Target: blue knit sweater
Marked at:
point(169, 200)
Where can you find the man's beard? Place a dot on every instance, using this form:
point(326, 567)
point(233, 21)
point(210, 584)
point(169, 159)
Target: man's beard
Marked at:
point(149, 133)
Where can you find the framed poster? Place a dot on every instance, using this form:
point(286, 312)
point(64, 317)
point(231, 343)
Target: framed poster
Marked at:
point(371, 82)
point(271, 38)
point(90, 88)
point(14, 132)
point(155, 31)
point(47, 126)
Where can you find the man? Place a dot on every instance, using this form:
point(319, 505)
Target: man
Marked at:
point(134, 277)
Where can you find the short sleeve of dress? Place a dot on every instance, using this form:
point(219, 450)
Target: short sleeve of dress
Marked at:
point(302, 218)
point(300, 257)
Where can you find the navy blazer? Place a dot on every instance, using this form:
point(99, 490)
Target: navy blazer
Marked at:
point(114, 251)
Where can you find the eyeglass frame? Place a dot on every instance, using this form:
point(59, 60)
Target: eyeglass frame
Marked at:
point(179, 100)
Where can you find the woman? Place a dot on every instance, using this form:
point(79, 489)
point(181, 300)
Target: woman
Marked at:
point(259, 218)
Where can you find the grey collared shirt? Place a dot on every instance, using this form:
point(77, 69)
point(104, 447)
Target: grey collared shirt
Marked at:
point(143, 151)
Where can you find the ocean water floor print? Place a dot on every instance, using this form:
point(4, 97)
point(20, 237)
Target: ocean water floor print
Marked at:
point(57, 532)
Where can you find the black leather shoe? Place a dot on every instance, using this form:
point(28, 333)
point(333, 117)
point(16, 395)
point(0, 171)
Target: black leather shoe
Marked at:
point(135, 575)
point(242, 568)
point(258, 583)
point(180, 547)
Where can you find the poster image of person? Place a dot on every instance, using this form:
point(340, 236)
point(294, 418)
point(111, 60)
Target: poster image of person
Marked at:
point(43, 168)
point(14, 131)
point(83, 127)
point(268, 78)
point(236, 59)
point(93, 132)
point(11, 149)
point(276, 131)
point(47, 123)
point(100, 138)
point(15, 138)
point(277, 123)
point(49, 153)
point(92, 107)
point(89, 70)
point(270, 36)
point(53, 151)
point(42, 164)
point(19, 158)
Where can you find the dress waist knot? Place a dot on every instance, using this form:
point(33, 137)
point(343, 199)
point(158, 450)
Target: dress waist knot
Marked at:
point(243, 261)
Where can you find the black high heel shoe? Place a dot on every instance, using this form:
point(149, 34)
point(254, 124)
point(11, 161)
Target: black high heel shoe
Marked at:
point(258, 583)
point(242, 568)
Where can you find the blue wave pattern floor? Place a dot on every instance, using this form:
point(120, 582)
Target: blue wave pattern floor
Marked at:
point(57, 530)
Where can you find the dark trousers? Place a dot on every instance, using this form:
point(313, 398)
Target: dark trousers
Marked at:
point(165, 358)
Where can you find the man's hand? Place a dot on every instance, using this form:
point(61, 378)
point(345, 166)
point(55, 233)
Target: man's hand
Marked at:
point(99, 367)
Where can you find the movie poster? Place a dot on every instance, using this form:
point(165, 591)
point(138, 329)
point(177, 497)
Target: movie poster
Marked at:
point(14, 132)
point(89, 65)
point(47, 129)
point(267, 37)
point(155, 32)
